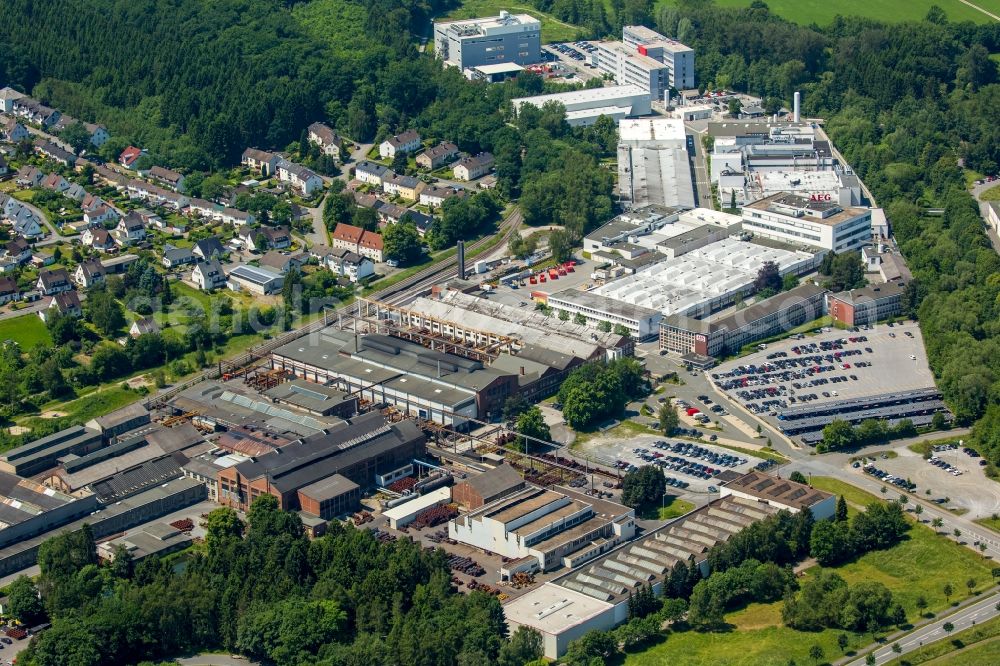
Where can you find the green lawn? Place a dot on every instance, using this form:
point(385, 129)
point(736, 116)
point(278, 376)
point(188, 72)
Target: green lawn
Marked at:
point(553, 30)
point(983, 643)
point(855, 496)
point(83, 409)
point(921, 565)
point(992, 194)
point(758, 639)
point(992, 523)
point(823, 12)
point(26, 330)
point(676, 507)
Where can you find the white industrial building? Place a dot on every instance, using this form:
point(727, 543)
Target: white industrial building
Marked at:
point(557, 528)
point(705, 279)
point(653, 165)
point(508, 38)
point(666, 230)
point(676, 56)
point(825, 186)
point(800, 220)
point(584, 107)
point(405, 513)
point(596, 595)
point(641, 322)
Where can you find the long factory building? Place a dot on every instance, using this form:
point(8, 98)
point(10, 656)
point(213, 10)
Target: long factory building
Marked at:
point(595, 596)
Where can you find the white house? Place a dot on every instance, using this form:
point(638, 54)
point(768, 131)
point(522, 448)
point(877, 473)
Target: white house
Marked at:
point(89, 273)
point(327, 140)
point(66, 303)
point(260, 161)
point(407, 142)
point(102, 213)
point(470, 168)
point(97, 238)
point(176, 256)
point(143, 326)
point(371, 173)
point(304, 180)
point(53, 282)
point(14, 131)
point(130, 229)
point(98, 134)
point(349, 264)
point(26, 225)
point(208, 275)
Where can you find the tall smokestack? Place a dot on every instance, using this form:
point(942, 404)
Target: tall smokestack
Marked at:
point(461, 260)
point(797, 105)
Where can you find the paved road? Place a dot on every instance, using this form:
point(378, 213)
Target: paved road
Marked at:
point(703, 186)
point(963, 618)
point(216, 660)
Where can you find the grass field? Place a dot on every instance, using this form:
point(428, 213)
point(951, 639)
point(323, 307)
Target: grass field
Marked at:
point(992, 194)
point(823, 12)
point(992, 523)
point(758, 639)
point(26, 330)
point(854, 496)
point(974, 646)
point(89, 406)
point(553, 30)
point(676, 507)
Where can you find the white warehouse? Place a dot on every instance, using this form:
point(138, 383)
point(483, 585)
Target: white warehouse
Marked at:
point(584, 107)
point(822, 224)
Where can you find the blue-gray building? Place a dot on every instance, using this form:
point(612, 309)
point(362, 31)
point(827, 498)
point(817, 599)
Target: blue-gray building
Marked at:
point(508, 38)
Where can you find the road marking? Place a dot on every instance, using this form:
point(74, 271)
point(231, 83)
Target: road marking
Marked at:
point(980, 9)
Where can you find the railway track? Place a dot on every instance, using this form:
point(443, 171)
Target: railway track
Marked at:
point(392, 294)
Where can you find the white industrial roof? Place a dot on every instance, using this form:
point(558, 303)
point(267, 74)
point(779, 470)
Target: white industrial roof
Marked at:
point(254, 274)
point(700, 216)
point(714, 271)
point(669, 130)
point(499, 68)
point(567, 99)
point(418, 505)
point(552, 609)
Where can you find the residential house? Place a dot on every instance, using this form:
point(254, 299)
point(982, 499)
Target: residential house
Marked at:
point(260, 161)
point(97, 238)
point(111, 177)
point(140, 189)
point(9, 290)
point(99, 134)
point(235, 217)
point(436, 196)
point(208, 275)
point(304, 180)
point(3, 166)
point(388, 213)
point(407, 187)
point(130, 229)
point(407, 142)
point(470, 168)
point(356, 239)
point(349, 264)
point(55, 153)
point(89, 273)
point(365, 200)
point(53, 282)
point(7, 98)
point(176, 256)
point(35, 111)
point(56, 183)
point(26, 225)
point(65, 303)
point(100, 214)
point(371, 173)
point(327, 140)
point(170, 178)
point(281, 262)
point(438, 156)
point(29, 176)
point(75, 192)
point(129, 156)
point(208, 248)
point(14, 131)
point(143, 326)
point(18, 251)
point(278, 238)
point(422, 221)
point(91, 201)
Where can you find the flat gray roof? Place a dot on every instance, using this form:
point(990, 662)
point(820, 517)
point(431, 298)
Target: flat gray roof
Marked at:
point(600, 303)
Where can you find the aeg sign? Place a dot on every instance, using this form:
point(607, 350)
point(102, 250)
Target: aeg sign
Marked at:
point(820, 197)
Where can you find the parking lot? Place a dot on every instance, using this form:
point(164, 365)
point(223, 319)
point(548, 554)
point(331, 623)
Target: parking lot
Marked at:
point(957, 477)
point(576, 56)
point(826, 368)
point(692, 467)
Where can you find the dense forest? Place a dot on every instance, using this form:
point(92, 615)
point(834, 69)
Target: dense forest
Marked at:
point(263, 589)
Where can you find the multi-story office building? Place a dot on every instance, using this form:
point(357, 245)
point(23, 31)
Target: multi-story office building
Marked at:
point(868, 305)
point(794, 219)
point(467, 43)
point(676, 56)
point(629, 67)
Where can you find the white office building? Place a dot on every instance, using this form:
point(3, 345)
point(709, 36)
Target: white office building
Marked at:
point(584, 107)
point(508, 38)
point(676, 56)
point(795, 219)
point(629, 67)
